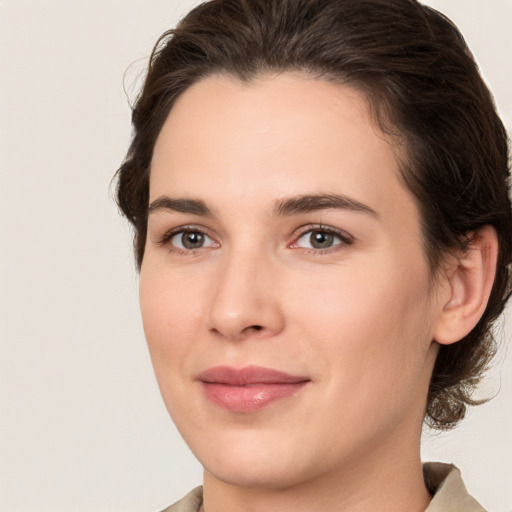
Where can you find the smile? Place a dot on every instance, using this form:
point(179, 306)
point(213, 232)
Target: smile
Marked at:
point(250, 388)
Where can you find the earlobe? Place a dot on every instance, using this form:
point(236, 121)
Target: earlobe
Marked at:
point(468, 287)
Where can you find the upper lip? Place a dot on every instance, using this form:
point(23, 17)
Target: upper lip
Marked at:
point(248, 375)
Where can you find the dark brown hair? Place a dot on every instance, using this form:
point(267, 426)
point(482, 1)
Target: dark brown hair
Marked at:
point(422, 85)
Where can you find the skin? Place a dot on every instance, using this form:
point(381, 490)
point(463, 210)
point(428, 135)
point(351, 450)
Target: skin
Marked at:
point(357, 318)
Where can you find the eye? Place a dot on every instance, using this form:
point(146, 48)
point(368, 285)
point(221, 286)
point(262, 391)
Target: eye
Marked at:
point(190, 239)
point(321, 239)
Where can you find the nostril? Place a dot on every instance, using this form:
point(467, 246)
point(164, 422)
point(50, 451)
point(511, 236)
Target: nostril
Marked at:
point(256, 327)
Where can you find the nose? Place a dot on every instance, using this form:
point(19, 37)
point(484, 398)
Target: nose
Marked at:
point(245, 299)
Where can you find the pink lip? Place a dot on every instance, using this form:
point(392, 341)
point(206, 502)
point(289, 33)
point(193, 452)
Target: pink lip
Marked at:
point(250, 388)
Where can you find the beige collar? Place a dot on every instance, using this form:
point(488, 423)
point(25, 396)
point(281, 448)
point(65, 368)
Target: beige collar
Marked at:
point(450, 493)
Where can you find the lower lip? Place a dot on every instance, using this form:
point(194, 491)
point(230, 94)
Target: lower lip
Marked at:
point(250, 397)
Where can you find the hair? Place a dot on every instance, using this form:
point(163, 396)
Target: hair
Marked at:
point(421, 83)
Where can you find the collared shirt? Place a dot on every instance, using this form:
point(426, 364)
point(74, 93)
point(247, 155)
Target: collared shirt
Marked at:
point(450, 493)
point(442, 480)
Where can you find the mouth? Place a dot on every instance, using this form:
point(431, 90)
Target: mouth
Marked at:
point(250, 388)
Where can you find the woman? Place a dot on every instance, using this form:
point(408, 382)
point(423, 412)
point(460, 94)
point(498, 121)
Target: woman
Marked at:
point(319, 190)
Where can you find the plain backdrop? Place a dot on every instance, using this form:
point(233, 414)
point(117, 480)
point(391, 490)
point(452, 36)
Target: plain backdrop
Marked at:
point(82, 426)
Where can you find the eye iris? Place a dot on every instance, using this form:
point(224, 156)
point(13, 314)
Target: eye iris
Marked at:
point(321, 239)
point(192, 239)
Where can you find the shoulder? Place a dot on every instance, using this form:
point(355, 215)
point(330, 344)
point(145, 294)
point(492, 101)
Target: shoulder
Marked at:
point(192, 502)
point(444, 481)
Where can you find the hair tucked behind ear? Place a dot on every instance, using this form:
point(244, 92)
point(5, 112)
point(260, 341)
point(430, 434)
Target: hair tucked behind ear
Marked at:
point(422, 85)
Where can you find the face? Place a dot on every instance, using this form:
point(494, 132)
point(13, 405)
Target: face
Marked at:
point(285, 295)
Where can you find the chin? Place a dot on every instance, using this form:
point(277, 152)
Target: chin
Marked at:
point(250, 460)
point(255, 474)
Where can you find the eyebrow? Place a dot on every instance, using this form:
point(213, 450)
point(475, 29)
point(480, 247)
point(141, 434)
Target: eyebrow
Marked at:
point(181, 205)
point(291, 206)
point(314, 202)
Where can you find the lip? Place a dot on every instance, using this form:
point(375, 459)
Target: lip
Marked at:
point(249, 388)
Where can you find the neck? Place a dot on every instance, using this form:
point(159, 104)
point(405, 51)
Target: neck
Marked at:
point(389, 482)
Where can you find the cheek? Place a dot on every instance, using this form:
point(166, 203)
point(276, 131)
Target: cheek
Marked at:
point(367, 322)
point(170, 313)
point(170, 316)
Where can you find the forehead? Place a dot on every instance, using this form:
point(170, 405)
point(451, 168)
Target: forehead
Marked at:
point(276, 136)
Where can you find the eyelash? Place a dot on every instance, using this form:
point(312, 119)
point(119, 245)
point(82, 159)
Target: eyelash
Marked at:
point(166, 238)
point(344, 238)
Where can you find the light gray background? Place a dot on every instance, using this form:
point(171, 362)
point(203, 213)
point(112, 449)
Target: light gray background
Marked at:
point(82, 426)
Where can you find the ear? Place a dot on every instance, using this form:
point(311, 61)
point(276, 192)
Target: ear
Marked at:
point(468, 286)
